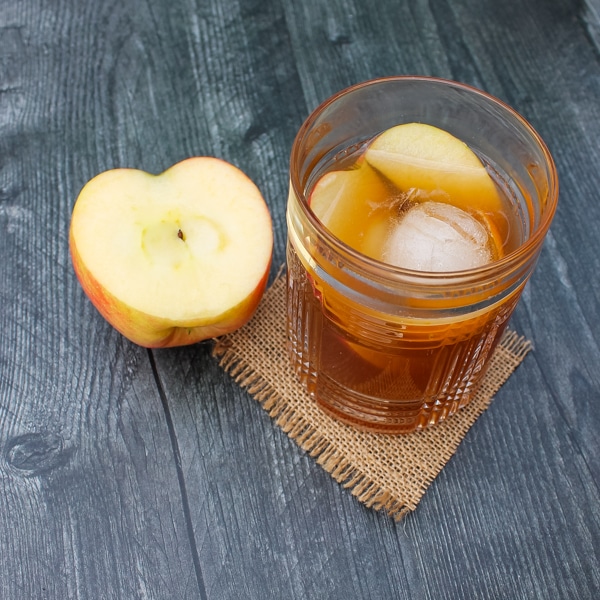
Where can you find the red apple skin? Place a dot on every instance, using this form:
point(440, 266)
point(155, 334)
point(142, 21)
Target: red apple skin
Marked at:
point(153, 332)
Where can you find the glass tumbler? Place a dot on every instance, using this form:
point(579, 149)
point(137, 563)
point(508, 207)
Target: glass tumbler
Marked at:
point(390, 349)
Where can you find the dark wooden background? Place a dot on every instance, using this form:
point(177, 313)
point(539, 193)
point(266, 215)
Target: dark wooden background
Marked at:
point(133, 474)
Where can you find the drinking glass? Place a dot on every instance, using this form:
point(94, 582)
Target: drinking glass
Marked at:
point(389, 349)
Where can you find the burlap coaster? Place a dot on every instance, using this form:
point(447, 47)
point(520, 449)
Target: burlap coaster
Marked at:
point(385, 472)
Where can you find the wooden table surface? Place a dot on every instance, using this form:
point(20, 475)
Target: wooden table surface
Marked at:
point(128, 473)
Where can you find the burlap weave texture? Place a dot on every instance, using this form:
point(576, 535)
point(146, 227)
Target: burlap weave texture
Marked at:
point(385, 472)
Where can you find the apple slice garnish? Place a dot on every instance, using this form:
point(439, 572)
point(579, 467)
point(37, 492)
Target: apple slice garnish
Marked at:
point(416, 156)
point(175, 258)
point(347, 202)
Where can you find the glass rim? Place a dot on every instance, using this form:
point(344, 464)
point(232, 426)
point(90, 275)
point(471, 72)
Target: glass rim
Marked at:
point(523, 252)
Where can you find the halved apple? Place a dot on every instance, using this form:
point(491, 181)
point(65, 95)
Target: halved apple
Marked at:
point(175, 258)
point(423, 157)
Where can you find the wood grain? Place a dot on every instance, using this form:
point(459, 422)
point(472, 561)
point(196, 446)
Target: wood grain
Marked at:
point(133, 474)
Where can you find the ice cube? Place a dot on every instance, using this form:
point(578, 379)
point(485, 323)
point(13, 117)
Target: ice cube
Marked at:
point(434, 236)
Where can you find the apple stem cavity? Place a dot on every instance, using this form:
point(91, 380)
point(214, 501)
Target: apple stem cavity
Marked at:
point(180, 235)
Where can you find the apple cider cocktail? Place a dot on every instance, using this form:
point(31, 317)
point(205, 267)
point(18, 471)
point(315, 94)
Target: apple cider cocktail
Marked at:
point(417, 210)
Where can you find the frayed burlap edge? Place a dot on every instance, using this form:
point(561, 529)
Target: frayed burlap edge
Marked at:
point(384, 472)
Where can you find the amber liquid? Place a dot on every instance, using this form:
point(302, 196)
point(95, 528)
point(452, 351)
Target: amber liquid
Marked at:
point(384, 371)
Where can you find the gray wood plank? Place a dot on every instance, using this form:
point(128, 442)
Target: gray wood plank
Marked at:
point(90, 502)
point(128, 474)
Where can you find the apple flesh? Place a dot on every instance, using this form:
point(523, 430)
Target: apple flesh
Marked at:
point(425, 158)
point(175, 258)
point(349, 203)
